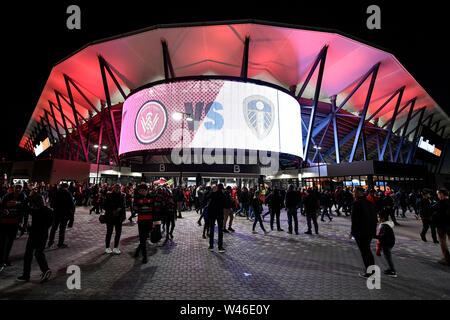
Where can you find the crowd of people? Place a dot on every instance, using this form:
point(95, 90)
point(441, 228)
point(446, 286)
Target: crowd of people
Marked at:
point(156, 208)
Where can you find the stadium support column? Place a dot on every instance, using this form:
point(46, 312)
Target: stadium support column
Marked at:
point(61, 141)
point(412, 148)
point(104, 66)
point(322, 58)
point(360, 129)
point(244, 68)
point(335, 129)
point(68, 138)
point(167, 61)
point(77, 122)
point(391, 125)
point(405, 129)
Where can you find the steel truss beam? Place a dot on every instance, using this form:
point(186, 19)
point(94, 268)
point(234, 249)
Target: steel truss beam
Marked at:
point(320, 58)
point(167, 61)
point(79, 129)
point(335, 129)
point(103, 68)
point(405, 129)
point(69, 104)
point(68, 145)
point(412, 147)
point(244, 68)
point(360, 129)
point(72, 82)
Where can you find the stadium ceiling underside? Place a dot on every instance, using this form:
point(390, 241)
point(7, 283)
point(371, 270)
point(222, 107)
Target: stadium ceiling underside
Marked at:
point(357, 101)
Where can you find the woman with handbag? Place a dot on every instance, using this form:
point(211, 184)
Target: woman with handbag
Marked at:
point(114, 217)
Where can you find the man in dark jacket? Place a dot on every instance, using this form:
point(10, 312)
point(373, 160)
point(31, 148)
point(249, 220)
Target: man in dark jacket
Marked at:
point(311, 205)
point(292, 200)
point(276, 202)
point(63, 207)
point(425, 213)
point(13, 208)
point(441, 219)
point(227, 212)
point(364, 227)
point(38, 233)
point(216, 204)
point(115, 215)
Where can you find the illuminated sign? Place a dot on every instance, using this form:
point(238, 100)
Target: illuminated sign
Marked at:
point(225, 114)
point(427, 146)
point(44, 145)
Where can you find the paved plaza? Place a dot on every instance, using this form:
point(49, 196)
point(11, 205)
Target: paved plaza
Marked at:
point(275, 266)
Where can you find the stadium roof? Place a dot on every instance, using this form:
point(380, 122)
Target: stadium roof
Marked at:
point(278, 53)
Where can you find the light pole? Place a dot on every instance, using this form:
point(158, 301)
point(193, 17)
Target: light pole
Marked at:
point(179, 116)
point(318, 167)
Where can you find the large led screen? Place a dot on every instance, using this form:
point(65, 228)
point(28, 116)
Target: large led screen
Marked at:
point(225, 114)
point(429, 146)
point(43, 145)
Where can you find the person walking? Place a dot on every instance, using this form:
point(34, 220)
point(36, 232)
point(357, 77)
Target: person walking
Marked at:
point(311, 205)
point(178, 196)
point(292, 200)
point(63, 207)
point(42, 219)
point(364, 227)
point(217, 202)
point(170, 214)
point(385, 242)
point(387, 207)
point(426, 216)
point(441, 219)
point(115, 215)
point(13, 208)
point(326, 203)
point(256, 204)
point(227, 211)
point(143, 206)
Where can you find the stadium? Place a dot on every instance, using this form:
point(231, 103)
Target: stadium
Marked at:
point(329, 109)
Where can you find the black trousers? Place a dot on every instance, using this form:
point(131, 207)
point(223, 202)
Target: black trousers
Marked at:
point(275, 213)
point(427, 224)
point(366, 253)
point(212, 222)
point(312, 216)
point(110, 226)
point(61, 223)
point(292, 215)
point(8, 233)
point(169, 222)
point(144, 228)
point(35, 245)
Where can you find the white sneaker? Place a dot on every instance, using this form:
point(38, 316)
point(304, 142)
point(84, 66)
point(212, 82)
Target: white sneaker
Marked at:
point(108, 250)
point(116, 251)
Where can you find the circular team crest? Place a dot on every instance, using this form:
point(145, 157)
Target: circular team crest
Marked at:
point(151, 122)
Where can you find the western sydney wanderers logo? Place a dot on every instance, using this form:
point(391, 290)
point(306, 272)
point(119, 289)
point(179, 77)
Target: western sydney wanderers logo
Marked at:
point(259, 115)
point(151, 122)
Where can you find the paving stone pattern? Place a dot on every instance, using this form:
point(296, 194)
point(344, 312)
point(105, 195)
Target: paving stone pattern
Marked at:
point(255, 266)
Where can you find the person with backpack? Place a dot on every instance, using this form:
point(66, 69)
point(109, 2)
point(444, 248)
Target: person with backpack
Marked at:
point(441, 219)
point(385, 242)
point(42, 219)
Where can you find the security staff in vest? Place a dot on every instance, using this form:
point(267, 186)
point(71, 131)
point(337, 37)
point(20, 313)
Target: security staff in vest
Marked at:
point(143, 206)
point(13, 208)
point(115, 215)
point(63, 207)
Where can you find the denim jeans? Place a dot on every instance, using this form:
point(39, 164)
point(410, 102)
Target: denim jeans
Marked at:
point(258, 218)
point(388, 256)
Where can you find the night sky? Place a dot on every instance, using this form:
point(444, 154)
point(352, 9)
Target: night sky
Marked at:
point(35, 37)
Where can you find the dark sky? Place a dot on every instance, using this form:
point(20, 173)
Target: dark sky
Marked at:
point(35, 37)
